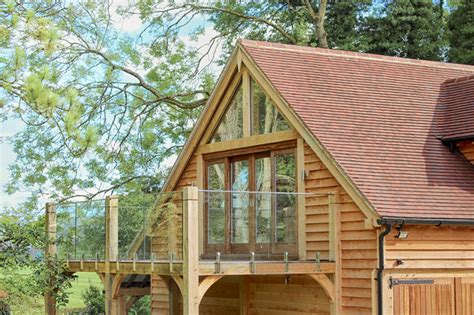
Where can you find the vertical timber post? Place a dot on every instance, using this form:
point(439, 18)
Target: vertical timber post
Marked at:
point(190, 251)
point(50, 252)
point(111, 250)
point(335, 249)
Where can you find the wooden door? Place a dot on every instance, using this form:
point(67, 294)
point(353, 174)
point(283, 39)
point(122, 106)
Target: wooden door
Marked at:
point(464, 296)
point(421, 296)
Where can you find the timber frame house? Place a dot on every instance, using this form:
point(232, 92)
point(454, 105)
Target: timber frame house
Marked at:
point(315, 182)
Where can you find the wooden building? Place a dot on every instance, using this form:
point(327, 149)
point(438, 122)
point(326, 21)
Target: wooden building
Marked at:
point(321, 182)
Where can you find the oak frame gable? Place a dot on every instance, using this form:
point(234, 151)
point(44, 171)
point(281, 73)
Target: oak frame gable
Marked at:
point(238, 64)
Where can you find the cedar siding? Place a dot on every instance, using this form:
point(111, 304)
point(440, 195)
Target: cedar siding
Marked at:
point(358, 241)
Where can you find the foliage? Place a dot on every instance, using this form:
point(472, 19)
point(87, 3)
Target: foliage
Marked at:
point(21, 233)
point(94, 299)
point(142, 306)
point(406, 28)
point(461, 37)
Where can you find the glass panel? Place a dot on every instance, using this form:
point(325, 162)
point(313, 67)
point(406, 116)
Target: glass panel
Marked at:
point(285, 204)
point(265, 116)
point(231, 126)
point(263, 181)
point(216, 204)
point(240, 202)
point(81, 229)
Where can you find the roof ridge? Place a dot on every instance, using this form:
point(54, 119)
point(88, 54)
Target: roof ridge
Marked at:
point(459, 79)
point(352, 54)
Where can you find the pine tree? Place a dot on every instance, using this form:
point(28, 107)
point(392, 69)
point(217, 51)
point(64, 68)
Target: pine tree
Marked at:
point(461, 37)
point(343, 19)
point(406, 28)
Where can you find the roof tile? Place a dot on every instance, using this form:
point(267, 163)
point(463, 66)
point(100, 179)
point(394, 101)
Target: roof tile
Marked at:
point(380, 118)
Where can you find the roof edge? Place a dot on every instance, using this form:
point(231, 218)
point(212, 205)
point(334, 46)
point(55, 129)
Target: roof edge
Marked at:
point(423, 221)
point(352, 54)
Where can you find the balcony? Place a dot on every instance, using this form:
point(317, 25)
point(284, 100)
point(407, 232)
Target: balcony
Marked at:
point(224, 232)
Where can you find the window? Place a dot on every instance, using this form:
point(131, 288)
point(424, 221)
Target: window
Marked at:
point(263, 115)
point(251, 205)
point(231, 125)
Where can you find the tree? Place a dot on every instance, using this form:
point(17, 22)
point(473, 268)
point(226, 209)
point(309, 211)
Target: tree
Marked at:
point(461, 37)
point(406, 28)
point(344, 19)
point(100, 108)
point(23, 275)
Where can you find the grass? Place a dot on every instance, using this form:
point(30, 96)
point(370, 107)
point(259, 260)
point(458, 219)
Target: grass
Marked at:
point(84, 280)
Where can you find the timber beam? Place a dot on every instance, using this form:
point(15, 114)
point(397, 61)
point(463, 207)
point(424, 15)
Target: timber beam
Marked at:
point(126, 267)
point(207, 268)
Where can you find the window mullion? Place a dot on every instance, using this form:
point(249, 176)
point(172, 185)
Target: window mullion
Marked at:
point(246, 103)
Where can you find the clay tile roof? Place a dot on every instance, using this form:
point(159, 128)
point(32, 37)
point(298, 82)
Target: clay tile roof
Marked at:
point(379, 118)
point(457, 119)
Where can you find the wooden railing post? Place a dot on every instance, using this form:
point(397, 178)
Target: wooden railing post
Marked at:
point(111, 248)
point(335, 249)
point(50, 252)
point(190, 251)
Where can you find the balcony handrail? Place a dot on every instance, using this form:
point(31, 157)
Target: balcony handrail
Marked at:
point(265, 192)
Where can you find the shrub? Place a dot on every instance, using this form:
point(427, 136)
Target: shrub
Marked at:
point(94, 300)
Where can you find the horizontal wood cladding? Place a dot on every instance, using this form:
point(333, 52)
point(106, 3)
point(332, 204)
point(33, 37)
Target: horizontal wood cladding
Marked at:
point(189, 176)
point(358, 242)
point(222, 298)
point(430, 247)
point(167, 236)
point(159, 296)
point(300, 295)
point(467, 149)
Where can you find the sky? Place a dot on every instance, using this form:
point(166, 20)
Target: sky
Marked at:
point(9, 128)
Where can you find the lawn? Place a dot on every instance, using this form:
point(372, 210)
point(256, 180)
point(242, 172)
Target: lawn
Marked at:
point(83, 280)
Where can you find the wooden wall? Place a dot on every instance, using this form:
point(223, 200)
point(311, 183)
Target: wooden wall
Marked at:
point(262, 295)
point(161, 241)
point(358, 241)
point(467, 149)
point(222, 298)
point(270, 295)
point(431, 247)
point(159, 296)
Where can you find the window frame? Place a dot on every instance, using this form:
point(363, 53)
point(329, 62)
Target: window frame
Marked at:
point(228, 157)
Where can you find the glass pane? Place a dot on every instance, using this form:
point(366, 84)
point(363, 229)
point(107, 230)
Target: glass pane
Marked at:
point(240, 202)
point(231, 126)
point(263, 180)
point(216, 204)
point(265, 116)
point(285, 182)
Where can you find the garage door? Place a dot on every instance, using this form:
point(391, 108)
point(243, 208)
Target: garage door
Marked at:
point(424, 296)
point(465, 296)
